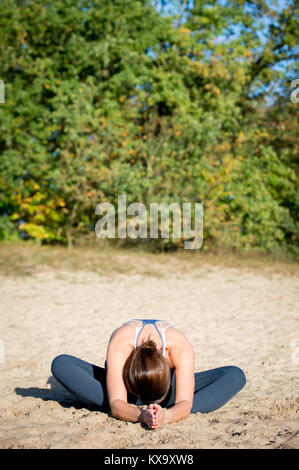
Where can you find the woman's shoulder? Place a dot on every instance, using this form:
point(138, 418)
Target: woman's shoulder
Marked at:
point(178, 343)
point(122, 333)
point(121, 330)
point(176, 333)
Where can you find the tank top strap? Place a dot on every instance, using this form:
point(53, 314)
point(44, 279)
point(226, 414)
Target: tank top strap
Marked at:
point(161, 331)
point(157, 324)
point(139, 328)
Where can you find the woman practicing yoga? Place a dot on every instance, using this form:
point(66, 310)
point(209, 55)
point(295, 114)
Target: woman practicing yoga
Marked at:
point(148, 376)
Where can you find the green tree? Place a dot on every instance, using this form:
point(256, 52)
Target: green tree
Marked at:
point(117, 98)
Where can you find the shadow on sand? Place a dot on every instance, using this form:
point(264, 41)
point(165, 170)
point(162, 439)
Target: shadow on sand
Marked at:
point(57, 393)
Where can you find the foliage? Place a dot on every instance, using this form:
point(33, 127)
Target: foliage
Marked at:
point(108, 98)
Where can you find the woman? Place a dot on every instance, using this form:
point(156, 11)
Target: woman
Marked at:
point(148, 376)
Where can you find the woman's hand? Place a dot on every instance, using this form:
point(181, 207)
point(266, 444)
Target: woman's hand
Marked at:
point(155, 415)
point(162, 415)
point(147, 416)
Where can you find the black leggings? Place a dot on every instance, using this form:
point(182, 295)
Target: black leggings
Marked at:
point(213, 388)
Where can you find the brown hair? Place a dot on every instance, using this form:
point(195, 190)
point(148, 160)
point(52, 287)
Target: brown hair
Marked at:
point(146, 373)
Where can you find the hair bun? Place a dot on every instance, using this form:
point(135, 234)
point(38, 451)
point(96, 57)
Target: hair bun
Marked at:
point(149, 346)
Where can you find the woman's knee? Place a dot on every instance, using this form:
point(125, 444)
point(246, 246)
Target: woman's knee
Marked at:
point(60, 362)
point(236, 375)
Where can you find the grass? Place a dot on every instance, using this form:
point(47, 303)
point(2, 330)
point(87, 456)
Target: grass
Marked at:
point(27, 258)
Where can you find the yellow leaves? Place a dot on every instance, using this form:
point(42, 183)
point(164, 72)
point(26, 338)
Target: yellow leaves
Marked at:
point(183, 36)
point(214, 90)
point(47, 86)
point(185, 30)
point(34, 230)
point(17, 197)
point(230, 161)
point(40, 218)
point(122, 98)
point(218, 71)
point(241, 139)
point(223, 147)
point(239, 75)
point(201, 69)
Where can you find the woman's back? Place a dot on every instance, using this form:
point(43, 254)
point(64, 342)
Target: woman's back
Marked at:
point(135, 332)
point(141, 325)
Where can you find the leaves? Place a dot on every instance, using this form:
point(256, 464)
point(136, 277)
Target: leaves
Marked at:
point(116, 98)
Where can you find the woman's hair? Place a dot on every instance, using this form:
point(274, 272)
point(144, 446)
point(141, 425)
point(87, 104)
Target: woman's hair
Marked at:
point(146, 373)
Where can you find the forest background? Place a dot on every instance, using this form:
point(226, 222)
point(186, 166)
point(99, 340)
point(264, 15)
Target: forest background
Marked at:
point(161, 101)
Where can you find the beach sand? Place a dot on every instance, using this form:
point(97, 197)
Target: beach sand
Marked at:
point(232, 316)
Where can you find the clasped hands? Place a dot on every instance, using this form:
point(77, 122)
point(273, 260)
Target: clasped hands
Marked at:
point(153, 415)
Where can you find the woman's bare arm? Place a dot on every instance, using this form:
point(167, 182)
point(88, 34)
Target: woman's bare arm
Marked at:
point(184, 382)
point(183, 361)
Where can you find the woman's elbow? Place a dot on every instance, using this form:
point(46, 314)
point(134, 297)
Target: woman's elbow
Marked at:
point(183, 410)
point(187, 409)
point(186, 414)
point(114, 409)
point(113, 412)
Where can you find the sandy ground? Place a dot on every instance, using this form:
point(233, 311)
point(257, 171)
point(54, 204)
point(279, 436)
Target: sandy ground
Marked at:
point(233, 316)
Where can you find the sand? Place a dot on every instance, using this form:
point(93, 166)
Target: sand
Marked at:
point(233, 316)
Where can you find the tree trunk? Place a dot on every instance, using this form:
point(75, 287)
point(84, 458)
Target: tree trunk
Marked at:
point(69, 238)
